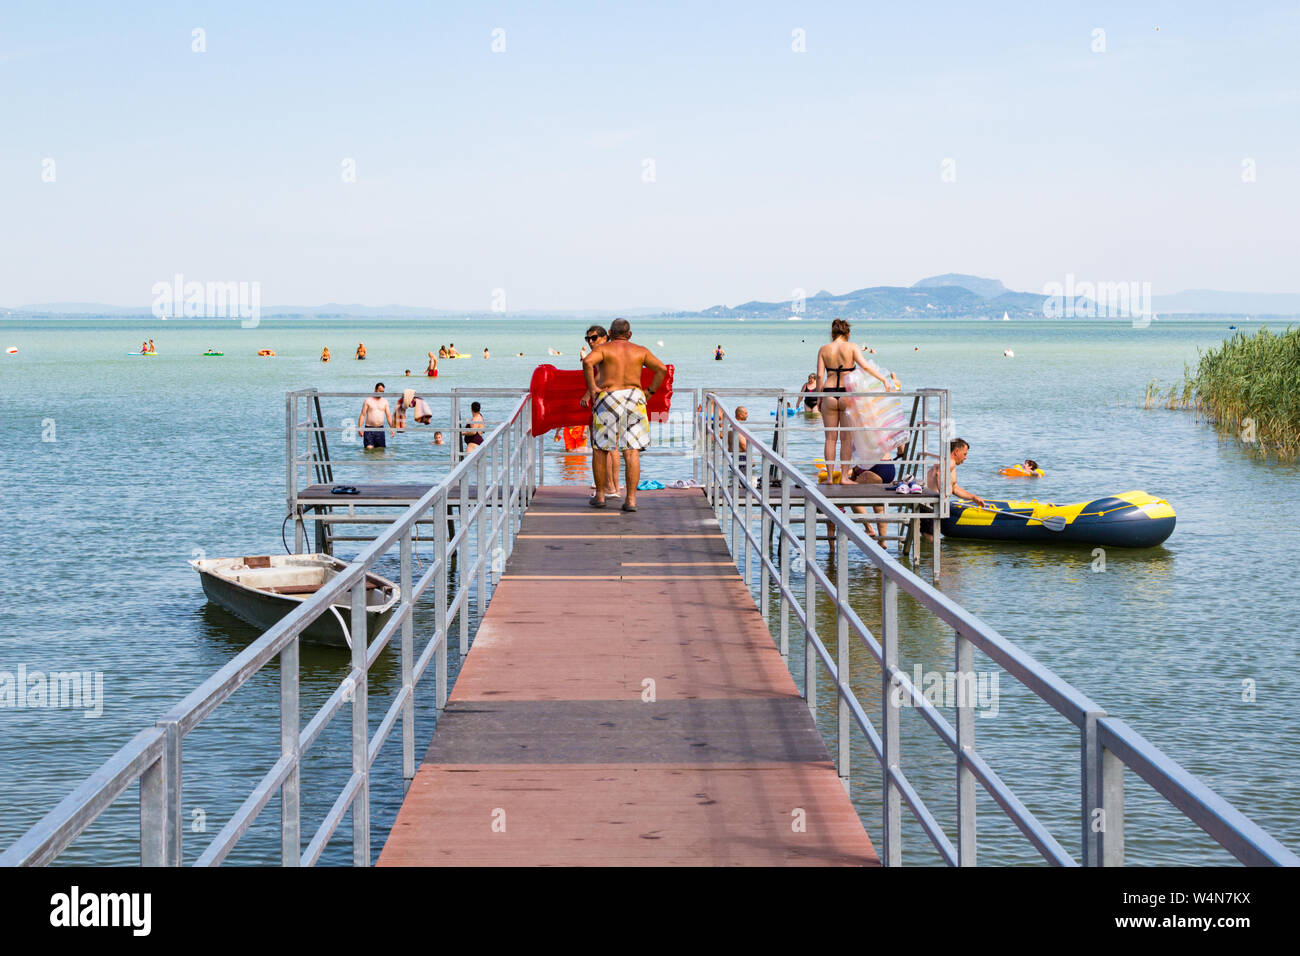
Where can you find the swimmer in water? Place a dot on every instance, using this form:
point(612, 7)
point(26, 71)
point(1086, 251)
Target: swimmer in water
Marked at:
point(432, 370)
point(485, 354)
point(325, 354)
point(361, 351)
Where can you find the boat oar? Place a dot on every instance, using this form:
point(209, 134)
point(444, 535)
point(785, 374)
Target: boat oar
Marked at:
point(1054, 523)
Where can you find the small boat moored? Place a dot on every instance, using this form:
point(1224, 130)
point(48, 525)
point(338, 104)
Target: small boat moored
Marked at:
point(263, 589)
point(1130, 519)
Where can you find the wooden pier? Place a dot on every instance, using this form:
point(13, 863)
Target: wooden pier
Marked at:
point(623, 703)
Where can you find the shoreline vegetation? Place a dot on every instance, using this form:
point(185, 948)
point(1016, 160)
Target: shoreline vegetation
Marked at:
point(1249, 387)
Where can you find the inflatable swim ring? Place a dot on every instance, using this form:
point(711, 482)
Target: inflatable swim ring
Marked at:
point(1130, 519)
point(1020, 471)
point(267, 352)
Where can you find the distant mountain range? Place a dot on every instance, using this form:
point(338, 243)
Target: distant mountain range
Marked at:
point(947, 296)
point(964, 296)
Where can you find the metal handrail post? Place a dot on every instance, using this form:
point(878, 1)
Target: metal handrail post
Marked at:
point(527, 448)
point(1110, 831)
point(290, 793)
point(440, 605)
point(697, 461)
point(360, 728)
point(464, 570)
point(965, 678)
point(498, 511)
point(173, 757)
point(290, 453)
point(733, 506)
point(891, 803)
point(764, 529)
point(507, 506)
point(783, 550)
point(711, 459)
point(458, 431)
point(1092, 818)
point(842, 654)
point(809, 606)
point(153, 814)
point(483, 509)
point(513, 502)
point(408, 658)
point(749, 522)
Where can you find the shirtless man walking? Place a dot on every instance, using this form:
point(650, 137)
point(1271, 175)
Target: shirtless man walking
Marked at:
point(619, 420)
point(375, 414)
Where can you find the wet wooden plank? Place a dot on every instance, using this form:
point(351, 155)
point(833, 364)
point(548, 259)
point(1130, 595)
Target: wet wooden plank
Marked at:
point(626, 815)
point(623, 703)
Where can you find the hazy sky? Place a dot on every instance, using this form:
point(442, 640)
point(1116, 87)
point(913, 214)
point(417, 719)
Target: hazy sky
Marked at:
point(525, 170)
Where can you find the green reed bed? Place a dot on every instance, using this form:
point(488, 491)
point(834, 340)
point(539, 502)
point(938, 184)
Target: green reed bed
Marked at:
point(1248, 387)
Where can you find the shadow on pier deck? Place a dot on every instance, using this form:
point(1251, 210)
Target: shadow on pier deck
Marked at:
point(623, 703)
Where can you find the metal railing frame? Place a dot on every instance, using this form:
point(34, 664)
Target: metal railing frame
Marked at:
point(154, 756)
point(507, 469)
point(1106, 744)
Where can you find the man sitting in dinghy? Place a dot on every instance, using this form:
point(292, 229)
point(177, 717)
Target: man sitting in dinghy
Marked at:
point(958, 449)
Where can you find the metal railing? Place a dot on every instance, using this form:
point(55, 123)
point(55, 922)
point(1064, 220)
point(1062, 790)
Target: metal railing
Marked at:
point(505, 470)
point(1107, 745)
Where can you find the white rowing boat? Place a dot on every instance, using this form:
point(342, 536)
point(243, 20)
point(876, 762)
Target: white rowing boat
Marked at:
point(262, 589)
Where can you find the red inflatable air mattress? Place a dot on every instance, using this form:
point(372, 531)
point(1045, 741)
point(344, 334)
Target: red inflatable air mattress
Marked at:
point(556, 393)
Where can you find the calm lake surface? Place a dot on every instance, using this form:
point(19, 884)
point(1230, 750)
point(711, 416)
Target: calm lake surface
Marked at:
point(122, 468)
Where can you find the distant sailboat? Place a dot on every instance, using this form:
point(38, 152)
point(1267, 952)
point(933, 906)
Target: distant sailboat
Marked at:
point(1006, 317)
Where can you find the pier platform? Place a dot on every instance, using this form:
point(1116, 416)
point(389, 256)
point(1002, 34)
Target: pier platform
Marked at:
point(623, 703)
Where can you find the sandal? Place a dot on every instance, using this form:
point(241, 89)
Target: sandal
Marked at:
point(628, 507)
point(594, 503)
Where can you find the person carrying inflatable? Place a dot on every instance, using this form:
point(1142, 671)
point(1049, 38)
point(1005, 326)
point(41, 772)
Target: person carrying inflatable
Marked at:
point(1027, 469)
point(620, 419)
point(851, 407)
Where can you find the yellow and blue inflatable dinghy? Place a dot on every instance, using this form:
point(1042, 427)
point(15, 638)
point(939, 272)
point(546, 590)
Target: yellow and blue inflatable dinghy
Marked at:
point(1130, 519)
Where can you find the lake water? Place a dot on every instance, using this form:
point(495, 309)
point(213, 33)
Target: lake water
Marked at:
point(121, 468)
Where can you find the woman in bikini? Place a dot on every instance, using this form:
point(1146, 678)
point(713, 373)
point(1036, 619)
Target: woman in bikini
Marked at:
point(837, 359)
